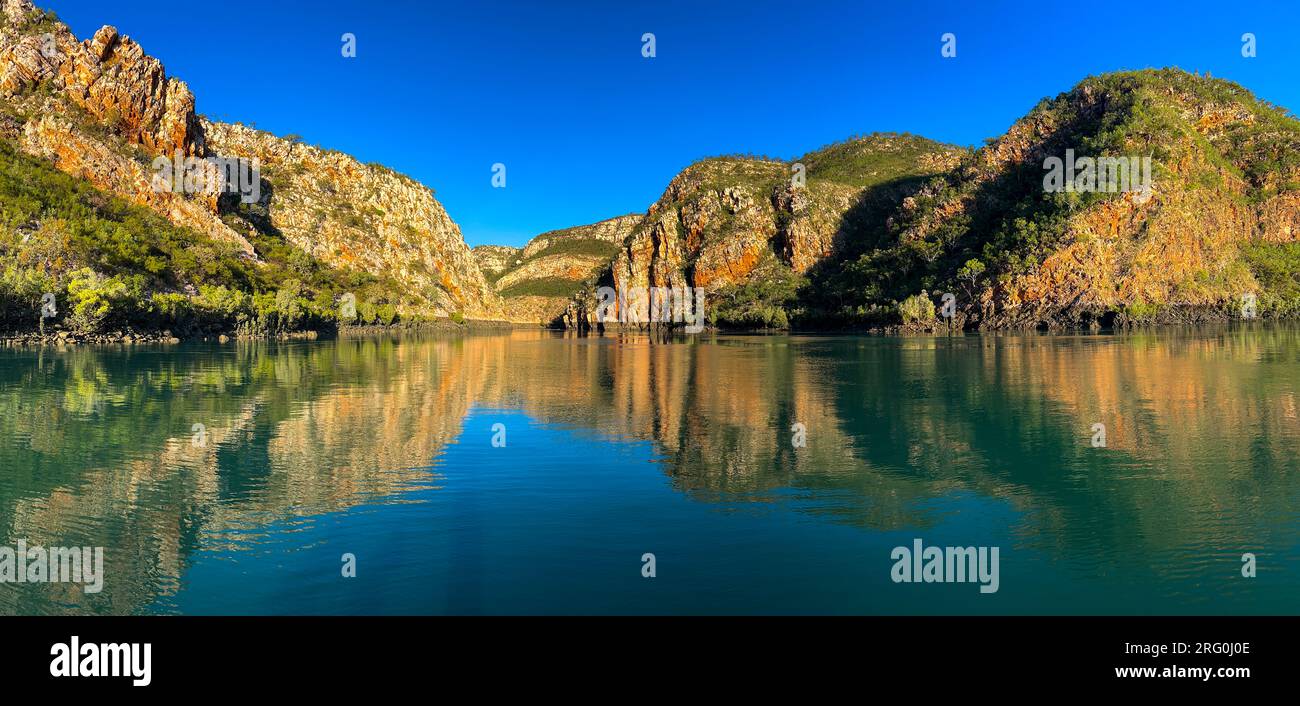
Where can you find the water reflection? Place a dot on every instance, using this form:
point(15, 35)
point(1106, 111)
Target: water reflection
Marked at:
point(98, 448)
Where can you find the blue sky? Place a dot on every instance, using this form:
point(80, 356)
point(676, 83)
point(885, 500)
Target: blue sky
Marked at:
point(588, 128)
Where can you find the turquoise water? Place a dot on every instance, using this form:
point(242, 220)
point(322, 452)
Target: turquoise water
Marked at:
point(617, 447)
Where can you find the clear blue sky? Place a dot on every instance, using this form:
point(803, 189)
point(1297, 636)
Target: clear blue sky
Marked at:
point(589, 129)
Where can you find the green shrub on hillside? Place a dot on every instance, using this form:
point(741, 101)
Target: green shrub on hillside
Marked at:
point(917, 308)
point(1276, 267)
point(545, 287)
point(872, 159)
point(766, 300)
point(96, 301)
point(592, 248)
point(996, 212)
point(21, 290)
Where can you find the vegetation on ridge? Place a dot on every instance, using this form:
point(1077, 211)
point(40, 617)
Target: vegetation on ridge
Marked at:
point(987, 225)
point(112, 265)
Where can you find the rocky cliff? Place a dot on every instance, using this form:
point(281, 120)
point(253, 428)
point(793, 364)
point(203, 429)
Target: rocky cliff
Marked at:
point(868, 232)
point(108, 76)
point(102, 110)
point(727, 223)
point(363, 216)
point(538, 282)
point(1211, 224)
point(1183, 205)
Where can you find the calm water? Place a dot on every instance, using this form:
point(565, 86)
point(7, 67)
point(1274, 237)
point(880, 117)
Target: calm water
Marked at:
point(618, 447)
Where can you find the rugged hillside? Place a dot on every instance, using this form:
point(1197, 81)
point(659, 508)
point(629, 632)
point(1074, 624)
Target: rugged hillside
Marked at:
point(324, 226)
point(494, 259)
point(1220, 221)
point(750, 231)
point(100, 110)
point(364, 217)
point(538, 282)
point(887, 224)
point(868, 232)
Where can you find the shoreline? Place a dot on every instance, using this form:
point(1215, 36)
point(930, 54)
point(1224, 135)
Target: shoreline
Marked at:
point(960, 325)
point(62, 338)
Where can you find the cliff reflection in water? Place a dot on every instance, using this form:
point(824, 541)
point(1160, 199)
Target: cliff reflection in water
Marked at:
point(97, 446)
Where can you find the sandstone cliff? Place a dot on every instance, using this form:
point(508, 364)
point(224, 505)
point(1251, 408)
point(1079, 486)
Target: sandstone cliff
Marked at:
point(728, 222)
point(855, 234)
point(1217, 225)
point(538, 282)
point(885, 222)
point(363, 216)
point(102, 110)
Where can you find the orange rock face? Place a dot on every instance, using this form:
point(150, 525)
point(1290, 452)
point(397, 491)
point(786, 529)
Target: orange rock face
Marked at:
point(108, 76)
